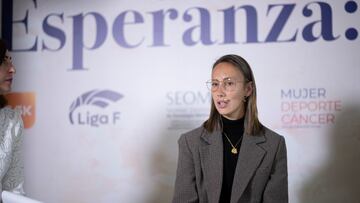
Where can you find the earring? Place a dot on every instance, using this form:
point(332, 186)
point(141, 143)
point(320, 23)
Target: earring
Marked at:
point(244, 100)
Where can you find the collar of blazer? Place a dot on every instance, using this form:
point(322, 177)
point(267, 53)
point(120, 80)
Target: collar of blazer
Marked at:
point(250, 156)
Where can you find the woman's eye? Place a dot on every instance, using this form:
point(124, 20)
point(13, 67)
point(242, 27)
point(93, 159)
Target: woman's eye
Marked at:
point(230, 83)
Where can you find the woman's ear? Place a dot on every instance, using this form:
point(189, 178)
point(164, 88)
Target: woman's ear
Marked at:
point(249, 88)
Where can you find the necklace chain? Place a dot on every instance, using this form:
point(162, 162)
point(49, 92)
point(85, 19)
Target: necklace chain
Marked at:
point(233, 150)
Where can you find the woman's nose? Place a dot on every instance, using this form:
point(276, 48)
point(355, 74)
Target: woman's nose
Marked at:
point(220, 92)
point(12, 68)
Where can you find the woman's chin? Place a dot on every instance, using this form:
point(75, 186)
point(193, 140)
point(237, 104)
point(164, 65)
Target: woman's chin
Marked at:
point(4, 90)
point(223, 113)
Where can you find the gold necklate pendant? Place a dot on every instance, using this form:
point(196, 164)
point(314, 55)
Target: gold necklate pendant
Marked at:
point(234, 150)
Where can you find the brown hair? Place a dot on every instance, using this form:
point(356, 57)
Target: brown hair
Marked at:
point(3, 49)
point(3, 101)
point(252, 124)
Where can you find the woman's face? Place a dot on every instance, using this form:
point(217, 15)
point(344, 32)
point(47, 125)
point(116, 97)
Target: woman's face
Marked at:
point(228, 90)
point(7, 71)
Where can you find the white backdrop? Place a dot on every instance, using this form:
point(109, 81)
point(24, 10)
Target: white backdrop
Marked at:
point(118, 143)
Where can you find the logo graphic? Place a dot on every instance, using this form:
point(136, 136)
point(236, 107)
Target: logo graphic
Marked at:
point(91, 108)
point(187, 109)
point(25, 102)
point(308, 107)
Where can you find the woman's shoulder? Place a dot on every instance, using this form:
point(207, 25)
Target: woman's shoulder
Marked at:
point(193, 135)
point(192, 139)
point(195, 132)
point(272, 136)
point(9, 115)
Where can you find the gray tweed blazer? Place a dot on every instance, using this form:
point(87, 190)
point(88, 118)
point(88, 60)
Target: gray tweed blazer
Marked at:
point(260, 174)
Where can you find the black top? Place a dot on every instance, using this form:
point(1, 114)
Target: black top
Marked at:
point(234, 130)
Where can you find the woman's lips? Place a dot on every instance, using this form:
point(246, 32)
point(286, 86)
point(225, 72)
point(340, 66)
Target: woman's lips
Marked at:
point(222, 103)
point(9, 80)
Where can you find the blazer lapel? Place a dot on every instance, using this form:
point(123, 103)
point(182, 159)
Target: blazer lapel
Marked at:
point(212, 158)
point(250, 157)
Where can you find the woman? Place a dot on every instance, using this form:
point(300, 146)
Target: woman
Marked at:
point(232, 157)
point(11, 166)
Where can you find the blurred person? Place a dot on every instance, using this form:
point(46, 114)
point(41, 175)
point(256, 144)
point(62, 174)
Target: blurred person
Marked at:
point(11, 127)
point(232, 157)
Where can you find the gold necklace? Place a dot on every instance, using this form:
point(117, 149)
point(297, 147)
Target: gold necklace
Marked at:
point(233, 150)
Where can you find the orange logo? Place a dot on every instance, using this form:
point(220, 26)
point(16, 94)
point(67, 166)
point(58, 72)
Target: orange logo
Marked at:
point(25, 101)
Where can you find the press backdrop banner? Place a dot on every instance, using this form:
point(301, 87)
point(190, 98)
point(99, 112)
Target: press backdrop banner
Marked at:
point(107, 88)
